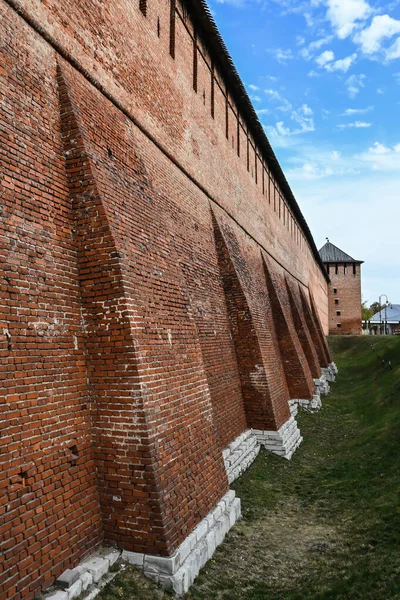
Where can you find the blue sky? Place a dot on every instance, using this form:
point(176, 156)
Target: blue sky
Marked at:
point(324, 77)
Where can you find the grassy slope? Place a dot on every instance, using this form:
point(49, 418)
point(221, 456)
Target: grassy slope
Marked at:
point(327, 524)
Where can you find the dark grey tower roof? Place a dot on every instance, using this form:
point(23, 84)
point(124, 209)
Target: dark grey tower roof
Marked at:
point(332, 254)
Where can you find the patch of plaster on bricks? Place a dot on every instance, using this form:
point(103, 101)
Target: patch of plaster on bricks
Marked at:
point(257, 377)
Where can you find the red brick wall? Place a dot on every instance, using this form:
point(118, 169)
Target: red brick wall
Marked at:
point(120, 49)
point(346, 300)
point(129, 277)
point(49, 505)
point(167, 380)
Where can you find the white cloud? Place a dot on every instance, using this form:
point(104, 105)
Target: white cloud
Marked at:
point(355, 125)
point(324, 58)
point(317, 44)
point(304, 119)
point(311, 171)
point(263, 111)
point(311, 163)
point(371, 38)
point(327, 61)
point(380, 91)
point(284, 104)
point(305, 53)
point(354, 83)
point(253, 88)
point(308, 52)
point(282, 130)
point(378, 148)
point(273, 94)
point(382, 158)
point(394, 51)
point(281, 55)
point(345, 15)
point(356, 111)
point(342, 64)
point(237, 3)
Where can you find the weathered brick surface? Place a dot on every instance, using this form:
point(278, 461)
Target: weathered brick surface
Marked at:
point(297, 371)
point(264, 389)
point(303, 332)
point(49, 509)
point(138, 334)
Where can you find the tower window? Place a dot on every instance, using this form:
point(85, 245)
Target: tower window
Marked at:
point(195, 62)
point(336, 300)
point(338, 313)
point(336, 269)
point(335, 290)
point(143, 6)
point(345, 269)
point(172, 15)
point(354, 269)
point(338, 325)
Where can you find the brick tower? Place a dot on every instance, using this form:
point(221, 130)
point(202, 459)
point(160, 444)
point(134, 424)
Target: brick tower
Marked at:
point(344, 291)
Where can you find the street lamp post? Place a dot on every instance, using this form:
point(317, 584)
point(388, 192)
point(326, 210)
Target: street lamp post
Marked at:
point(386, 305)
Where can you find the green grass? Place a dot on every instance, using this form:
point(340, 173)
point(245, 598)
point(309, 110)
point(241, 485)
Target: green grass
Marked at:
point(327, 524)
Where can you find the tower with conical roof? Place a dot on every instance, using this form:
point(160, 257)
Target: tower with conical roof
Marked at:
point(344, 291)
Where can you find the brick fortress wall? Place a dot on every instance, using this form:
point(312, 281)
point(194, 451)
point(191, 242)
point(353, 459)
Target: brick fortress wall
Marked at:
point(158, 296)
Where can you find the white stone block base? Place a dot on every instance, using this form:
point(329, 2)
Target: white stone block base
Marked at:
point(294, 407)
point(283, 442)
point(313, 405)
point(330, 372)
point(91, 576)
point(322, 386)
point(180, 570)
point(240, 454)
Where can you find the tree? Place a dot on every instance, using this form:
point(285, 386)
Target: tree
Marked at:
point(376, 307)
point(366, 312)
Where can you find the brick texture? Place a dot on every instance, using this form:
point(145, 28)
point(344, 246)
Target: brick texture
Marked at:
point(157, 295)
point(297, 371)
